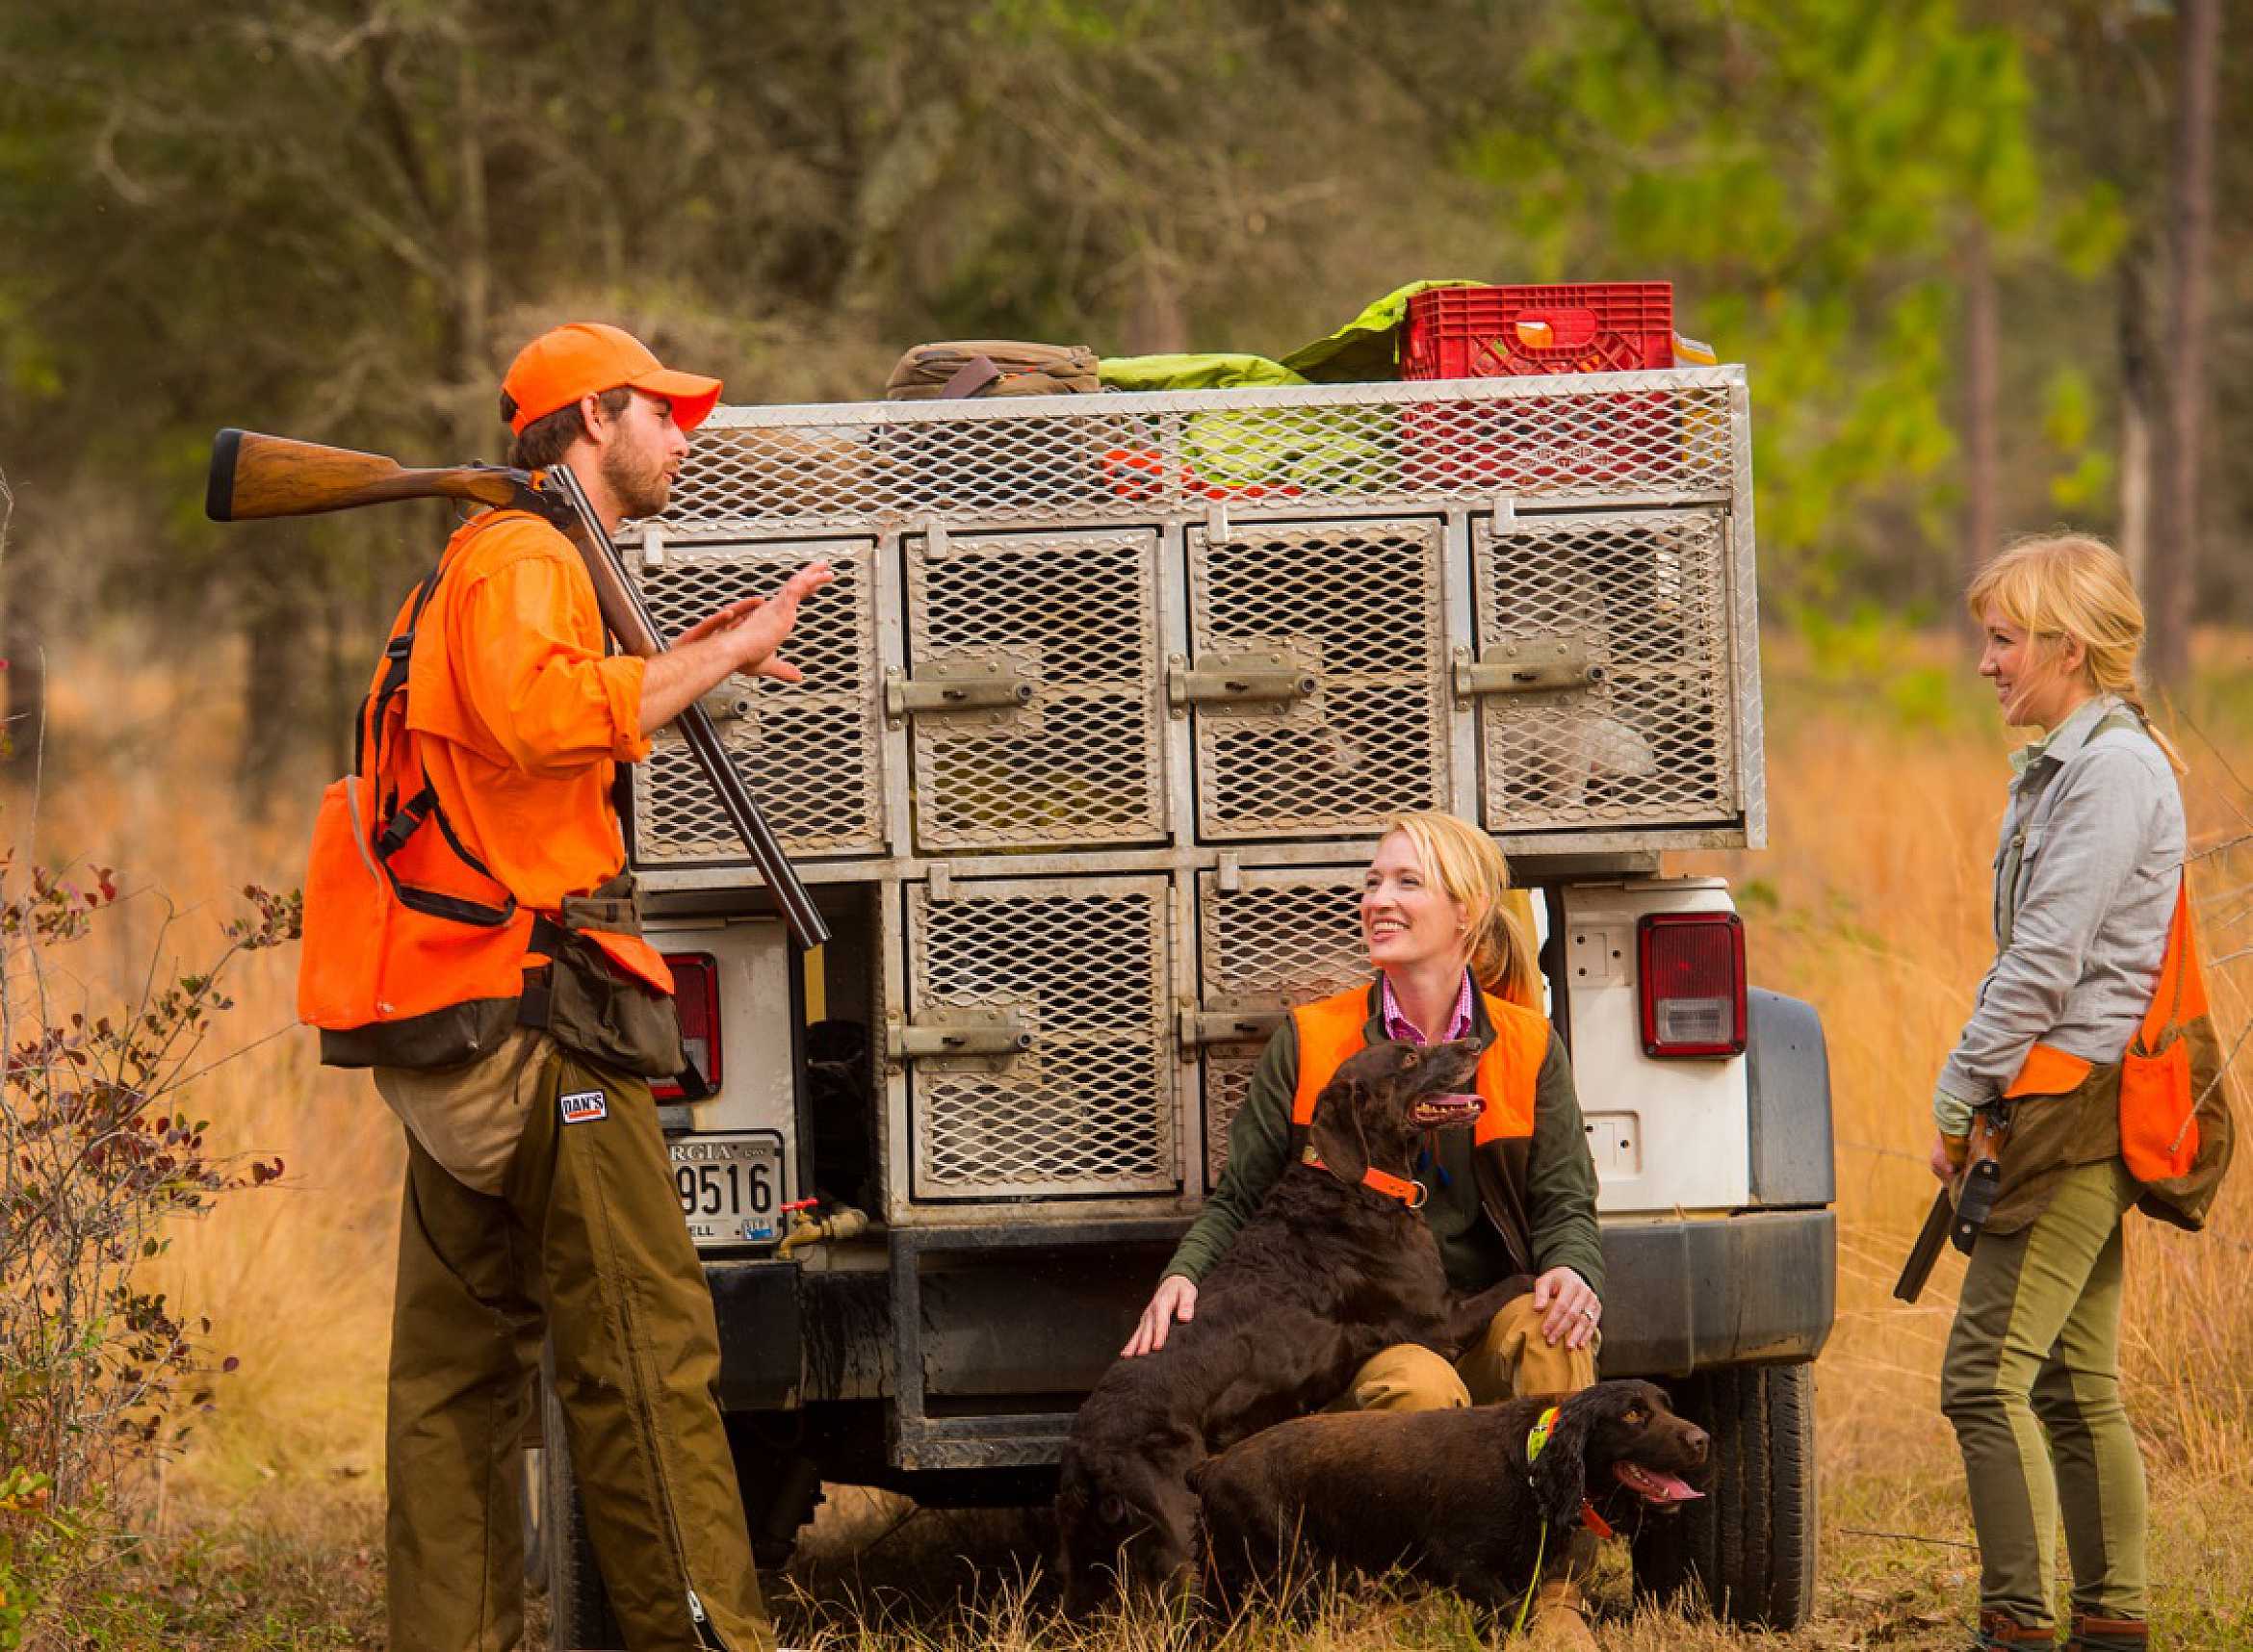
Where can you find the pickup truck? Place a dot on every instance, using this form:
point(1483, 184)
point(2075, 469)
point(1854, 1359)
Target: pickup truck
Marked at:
point(1100, 721)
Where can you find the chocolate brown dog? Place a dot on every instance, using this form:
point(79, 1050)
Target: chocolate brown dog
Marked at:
point(1326, 1272)
point(1448, 1496)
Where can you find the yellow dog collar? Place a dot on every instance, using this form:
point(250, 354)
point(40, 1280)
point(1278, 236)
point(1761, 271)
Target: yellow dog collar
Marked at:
point(1539, 1435)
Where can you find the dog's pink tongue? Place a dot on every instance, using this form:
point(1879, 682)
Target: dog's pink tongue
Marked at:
point(1655, 1483)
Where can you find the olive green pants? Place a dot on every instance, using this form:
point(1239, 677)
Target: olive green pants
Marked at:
point(1509, 1361)
point(585, 1242)
point(2031, 1382)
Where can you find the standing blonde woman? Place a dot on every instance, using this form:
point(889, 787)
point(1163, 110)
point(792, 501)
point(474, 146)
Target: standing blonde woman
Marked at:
point(2088, 889)
point(1515, 1195)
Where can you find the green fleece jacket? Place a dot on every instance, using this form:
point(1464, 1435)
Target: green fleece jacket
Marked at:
point(1560, 1179)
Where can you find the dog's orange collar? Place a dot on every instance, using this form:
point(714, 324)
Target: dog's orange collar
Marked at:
point(1412, 1194)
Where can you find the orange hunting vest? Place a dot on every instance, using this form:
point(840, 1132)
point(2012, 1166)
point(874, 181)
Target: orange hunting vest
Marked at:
point(2159, 1100)
point(1335, 1027)
point(411, 946)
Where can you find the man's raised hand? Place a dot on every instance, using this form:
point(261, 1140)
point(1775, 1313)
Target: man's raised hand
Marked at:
point(763, 623)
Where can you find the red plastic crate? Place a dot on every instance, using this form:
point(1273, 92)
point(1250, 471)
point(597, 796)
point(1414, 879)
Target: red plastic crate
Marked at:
point(1494, 332)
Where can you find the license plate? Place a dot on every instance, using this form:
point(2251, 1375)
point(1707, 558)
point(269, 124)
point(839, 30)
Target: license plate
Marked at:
point(730, 1187)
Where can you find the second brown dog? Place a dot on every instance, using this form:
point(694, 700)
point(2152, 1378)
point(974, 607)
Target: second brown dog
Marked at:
point(1448, 1496)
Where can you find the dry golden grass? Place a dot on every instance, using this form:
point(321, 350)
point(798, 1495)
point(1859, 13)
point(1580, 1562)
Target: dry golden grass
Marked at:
point(1885, 778)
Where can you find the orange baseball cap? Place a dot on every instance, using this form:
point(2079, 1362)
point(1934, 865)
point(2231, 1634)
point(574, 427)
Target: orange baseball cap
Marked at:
point(586, 358)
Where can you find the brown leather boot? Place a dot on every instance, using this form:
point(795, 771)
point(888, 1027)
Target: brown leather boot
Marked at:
point(2001, 1634)
point(1559, 1621)
point(2107, 1634)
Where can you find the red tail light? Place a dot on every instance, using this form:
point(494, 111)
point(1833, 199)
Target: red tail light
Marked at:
point(1691, 968)
point(696, 1000)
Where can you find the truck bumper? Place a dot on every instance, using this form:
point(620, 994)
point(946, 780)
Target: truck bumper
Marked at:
point(1759, 1287)
point(1680, 1296)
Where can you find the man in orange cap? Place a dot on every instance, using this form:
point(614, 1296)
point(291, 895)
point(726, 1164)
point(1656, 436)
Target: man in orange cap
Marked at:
point(539, 1200)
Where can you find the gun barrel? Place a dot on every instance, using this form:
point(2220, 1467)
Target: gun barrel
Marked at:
point(1927, 1250)
point(254, 477)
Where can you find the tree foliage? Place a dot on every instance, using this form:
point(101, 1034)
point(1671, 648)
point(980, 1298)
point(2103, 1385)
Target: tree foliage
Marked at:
point(339, 220)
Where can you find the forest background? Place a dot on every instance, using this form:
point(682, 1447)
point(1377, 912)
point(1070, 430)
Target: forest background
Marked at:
point(1982, 258)
point(1988, 265)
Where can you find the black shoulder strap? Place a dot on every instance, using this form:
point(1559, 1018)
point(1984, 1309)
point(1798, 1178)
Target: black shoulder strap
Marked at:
point(398, 657)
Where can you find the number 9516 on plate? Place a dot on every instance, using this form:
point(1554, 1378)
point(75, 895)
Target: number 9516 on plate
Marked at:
point(730, 1186)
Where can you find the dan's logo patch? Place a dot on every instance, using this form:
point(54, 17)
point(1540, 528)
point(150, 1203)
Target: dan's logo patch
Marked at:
point(583, 1106)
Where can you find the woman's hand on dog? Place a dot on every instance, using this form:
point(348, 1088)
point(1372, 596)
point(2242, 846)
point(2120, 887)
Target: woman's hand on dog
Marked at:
point(1175, 1298)
point(1569, 1309)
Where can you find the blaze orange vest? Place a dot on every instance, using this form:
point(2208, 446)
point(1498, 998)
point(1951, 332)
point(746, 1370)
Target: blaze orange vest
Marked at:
point(2158, 1103)
point(404, 925)
point(1335, 1028)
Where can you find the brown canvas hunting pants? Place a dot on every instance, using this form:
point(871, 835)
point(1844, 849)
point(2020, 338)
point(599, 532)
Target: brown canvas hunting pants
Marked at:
point(584, 1242)
point(1509, 1362)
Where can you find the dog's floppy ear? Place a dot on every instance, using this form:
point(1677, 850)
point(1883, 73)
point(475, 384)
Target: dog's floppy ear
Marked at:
point(1559, 1474)
point(1336, 1135)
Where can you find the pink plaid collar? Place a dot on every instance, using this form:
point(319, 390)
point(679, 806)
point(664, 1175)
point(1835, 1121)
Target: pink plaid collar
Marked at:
point(1398, 1028)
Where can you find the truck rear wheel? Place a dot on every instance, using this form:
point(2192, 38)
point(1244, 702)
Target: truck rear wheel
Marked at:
point(579, 1607)
point(1750, 1545)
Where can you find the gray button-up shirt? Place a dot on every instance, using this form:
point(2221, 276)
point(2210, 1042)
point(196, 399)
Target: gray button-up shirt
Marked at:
point(2085, 877)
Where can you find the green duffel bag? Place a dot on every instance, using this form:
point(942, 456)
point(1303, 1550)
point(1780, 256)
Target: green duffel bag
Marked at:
point(993, 366)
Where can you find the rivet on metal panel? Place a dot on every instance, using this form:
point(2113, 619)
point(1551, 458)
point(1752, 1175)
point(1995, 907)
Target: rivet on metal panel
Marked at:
point(1216, 522)
point(894, 696)
point(1505, 513)
point(1227, 873)
point(653, 546)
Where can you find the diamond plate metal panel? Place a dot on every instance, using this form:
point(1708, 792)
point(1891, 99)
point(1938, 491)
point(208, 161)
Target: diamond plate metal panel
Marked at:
point(1089, 1108)
point(1647, 437)
point(1360, 603)
point(1074, 617)
point(1641, 602)
point(811, 752)
point(1277, 939)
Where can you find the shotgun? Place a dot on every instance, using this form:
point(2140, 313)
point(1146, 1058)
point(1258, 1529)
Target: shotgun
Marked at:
point(1927, 1250)
point(254, 476)
point(1962, 1208)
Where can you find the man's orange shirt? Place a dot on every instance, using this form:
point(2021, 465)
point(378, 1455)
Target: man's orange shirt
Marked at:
point(519, 717)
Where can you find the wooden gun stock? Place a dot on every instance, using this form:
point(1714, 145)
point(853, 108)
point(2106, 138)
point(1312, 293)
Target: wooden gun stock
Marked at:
point(254, 476)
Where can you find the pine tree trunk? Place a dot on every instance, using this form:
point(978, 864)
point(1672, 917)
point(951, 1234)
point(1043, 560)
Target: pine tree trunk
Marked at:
point(2171, 590)
point(1157, 323)
point(1982, 351)
point(282, 677)
point(2139, 393)
point(23, 645)
point(23, 623)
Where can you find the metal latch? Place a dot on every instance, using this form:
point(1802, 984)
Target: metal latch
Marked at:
point(1263, 676)
point(1538, 665)
point(1202, 1027)
point(729, 704)
point(985, 682)
point(961, 1032)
